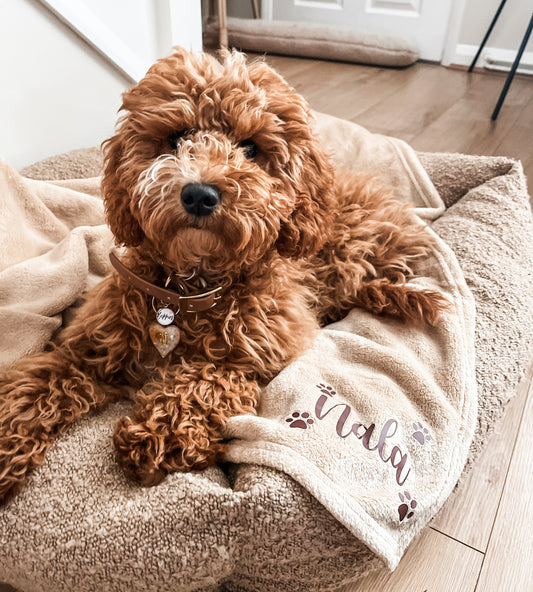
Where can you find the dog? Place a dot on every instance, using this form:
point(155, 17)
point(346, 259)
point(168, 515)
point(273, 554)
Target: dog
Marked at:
point(239, 241)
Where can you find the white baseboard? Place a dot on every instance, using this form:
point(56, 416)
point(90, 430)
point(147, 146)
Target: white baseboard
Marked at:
point(492, 58)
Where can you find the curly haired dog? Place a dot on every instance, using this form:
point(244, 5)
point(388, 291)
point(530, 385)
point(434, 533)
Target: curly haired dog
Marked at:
point(235, 225)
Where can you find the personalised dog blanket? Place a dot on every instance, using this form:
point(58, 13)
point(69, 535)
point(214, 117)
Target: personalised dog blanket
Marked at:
point(376, 419)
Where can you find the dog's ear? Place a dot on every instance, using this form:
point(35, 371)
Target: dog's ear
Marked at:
point(308, 170)
point(121, 152)
point(307, 228)
point(116, 198)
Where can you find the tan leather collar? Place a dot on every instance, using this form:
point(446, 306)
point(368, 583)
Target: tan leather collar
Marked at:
point(194, 303)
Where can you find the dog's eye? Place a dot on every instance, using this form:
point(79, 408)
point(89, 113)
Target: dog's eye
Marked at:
point(250, 148)
point(175, 138)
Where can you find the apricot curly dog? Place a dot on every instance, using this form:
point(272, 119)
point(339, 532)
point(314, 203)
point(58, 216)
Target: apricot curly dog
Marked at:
point(239, 242)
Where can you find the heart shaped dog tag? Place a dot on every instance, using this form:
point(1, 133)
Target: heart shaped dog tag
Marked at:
point(165, 339)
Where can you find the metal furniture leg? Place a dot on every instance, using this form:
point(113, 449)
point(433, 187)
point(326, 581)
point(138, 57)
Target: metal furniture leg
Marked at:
point(255, 9)
point(222, 24)
point(513, 70)
point(487, 34)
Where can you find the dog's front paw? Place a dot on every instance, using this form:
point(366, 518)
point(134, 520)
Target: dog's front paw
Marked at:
point(194, 458)
point(18, 455)
point(22, 445)
point(10, 479)
point(8, 488)
point(146, 456)
point(139, 452)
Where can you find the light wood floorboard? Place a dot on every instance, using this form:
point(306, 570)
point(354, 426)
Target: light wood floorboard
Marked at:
point(482, 540)
point(508, 562)
point(469, 513)
point(434, 562)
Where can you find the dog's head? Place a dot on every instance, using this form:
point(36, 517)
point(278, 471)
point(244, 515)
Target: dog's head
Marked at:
point(214, 163)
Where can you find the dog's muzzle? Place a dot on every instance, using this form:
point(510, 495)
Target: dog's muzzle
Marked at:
point(199, 199)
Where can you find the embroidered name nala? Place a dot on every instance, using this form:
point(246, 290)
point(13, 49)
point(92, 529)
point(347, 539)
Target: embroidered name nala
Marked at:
point(396, 458)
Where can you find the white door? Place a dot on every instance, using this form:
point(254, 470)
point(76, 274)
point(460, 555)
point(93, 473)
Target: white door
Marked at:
point(423, 21)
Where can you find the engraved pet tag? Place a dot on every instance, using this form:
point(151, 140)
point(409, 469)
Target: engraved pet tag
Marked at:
point(165, 316)
point(165, 339)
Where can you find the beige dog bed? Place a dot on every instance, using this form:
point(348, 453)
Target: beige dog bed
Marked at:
point(79, 525)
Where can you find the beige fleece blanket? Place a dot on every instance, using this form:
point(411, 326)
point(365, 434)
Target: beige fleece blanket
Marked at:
point(376, 419)
point(54, 245)
point(79, 525)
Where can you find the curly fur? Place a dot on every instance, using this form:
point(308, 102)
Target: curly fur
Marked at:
point(292, 245)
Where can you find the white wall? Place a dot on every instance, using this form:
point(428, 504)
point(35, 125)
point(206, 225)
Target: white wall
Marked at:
point(133, 21)
point(508, 31)
point(502, 46)
point(57, 93)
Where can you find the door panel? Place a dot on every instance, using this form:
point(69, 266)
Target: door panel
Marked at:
point(422, 21)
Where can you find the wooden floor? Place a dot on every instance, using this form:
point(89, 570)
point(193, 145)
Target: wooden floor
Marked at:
point(434, 109)
point(482, 540)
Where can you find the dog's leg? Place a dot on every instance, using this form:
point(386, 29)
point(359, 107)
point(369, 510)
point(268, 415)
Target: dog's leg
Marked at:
point(375, 244)
point(381, 296)
point(38, 400)
point(178, 421)
point(41, 395)
point(382, 290)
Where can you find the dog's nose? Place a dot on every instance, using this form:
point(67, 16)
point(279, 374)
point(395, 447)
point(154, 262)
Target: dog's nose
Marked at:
point(200, 199)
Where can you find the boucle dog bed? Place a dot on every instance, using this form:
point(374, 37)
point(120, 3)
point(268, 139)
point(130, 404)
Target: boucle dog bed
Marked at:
point(314, 40)
point(79, 525)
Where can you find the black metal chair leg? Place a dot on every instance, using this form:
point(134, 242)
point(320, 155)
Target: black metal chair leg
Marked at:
point(487, 34)
point(513, 70)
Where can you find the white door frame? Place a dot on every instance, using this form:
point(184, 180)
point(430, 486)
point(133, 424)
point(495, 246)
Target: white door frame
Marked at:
point(452, 35)
point(267, 9)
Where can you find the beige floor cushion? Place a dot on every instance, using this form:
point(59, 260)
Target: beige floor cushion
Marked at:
point(315, 40)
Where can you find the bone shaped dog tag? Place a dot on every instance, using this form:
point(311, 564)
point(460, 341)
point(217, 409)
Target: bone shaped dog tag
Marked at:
point(165, 339)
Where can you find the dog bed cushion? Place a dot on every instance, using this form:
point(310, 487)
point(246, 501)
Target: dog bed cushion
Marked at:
point(79, 525)
point(315, 40)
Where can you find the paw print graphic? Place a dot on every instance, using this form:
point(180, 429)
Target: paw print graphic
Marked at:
point(302, 421)
point(406, 509)
point(326, 389)
point(421, 434)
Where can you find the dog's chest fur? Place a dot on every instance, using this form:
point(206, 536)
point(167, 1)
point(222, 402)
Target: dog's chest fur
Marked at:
point(262, 321)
